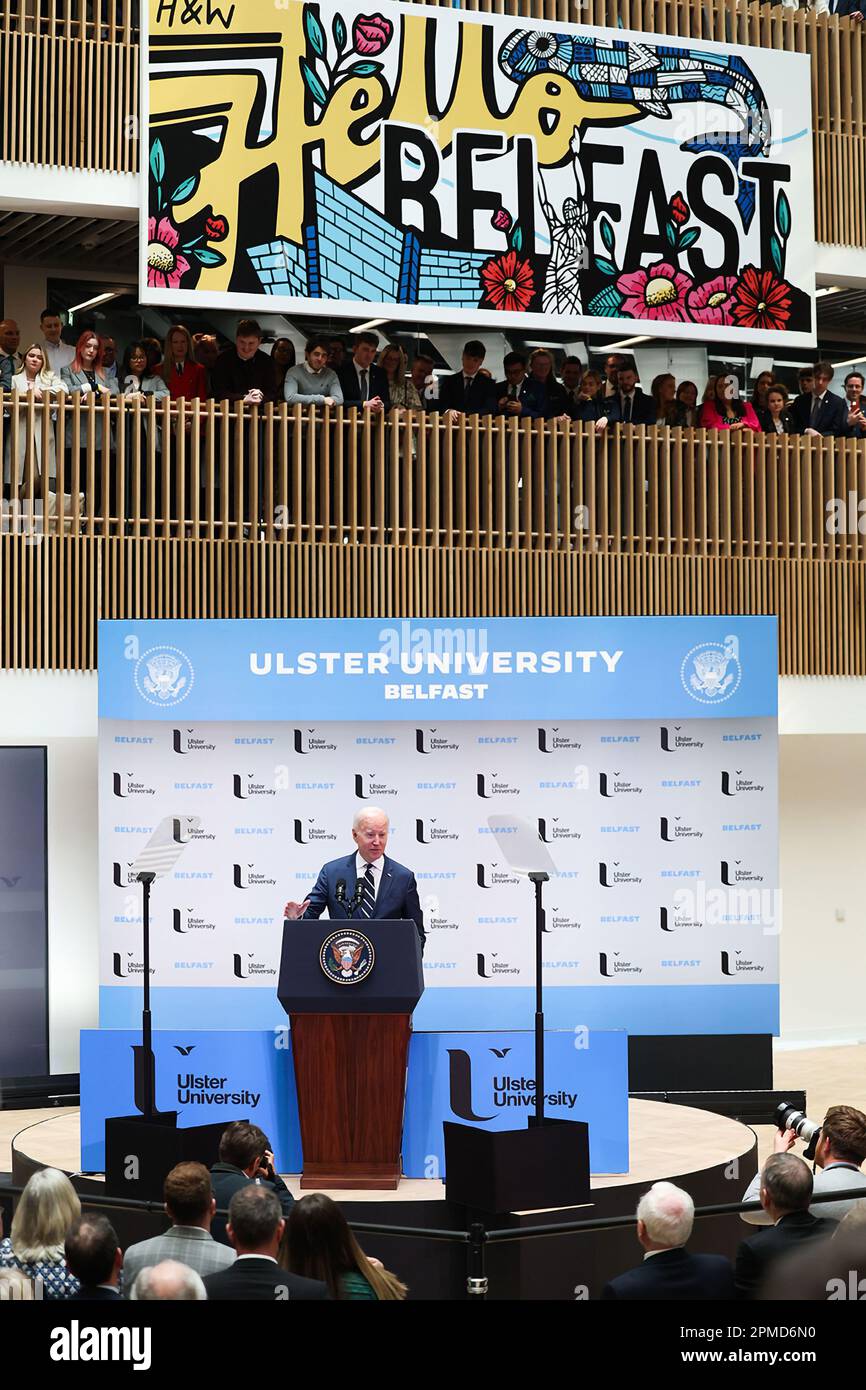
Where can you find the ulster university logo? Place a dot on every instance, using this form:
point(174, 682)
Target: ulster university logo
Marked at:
point(347, 957)
point(711, 673)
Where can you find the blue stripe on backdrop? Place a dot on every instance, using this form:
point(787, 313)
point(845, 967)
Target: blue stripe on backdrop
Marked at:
point(639, 1009)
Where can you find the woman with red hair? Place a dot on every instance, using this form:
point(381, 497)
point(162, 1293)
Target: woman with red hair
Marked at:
point(85, 377)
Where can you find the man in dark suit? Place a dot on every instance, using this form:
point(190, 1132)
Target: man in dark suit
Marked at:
point(94, 1256)
point(630, 406)
point(364, 384)
point(364, 884)
point(518, 396)
point(786, 1191)
point(820, 412)
point(665, 1217)
point(469, 391)
point(245, 1160)
point(255, 1230)
point(856, 423)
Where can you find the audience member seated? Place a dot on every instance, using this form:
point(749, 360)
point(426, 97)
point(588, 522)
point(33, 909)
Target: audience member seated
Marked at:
point(245, 1160)
point(94, 1256)
point(319, 1245)
point(518, 396)
point(571, 376)
point(46, 1210)
point(819, 411)
point(312, 382)
point(466, 392)
point(856, 424)
point(255, 1229)
point(777, 418)
point(664, 393)
point(612, 367)
point(687, 398)
point(590, 406)
point(762, 385)
point(785, 1192)
point(401, 389)
point(665, 1216)
point(727, 410)
point(553, 402)
point(190, 1206)
point(630, 405)
point(185, 378)
point(839, 1155)
point(168, 1282)
point(244, 372)
point(58, 353)
point(363, 383)
point(283, 357)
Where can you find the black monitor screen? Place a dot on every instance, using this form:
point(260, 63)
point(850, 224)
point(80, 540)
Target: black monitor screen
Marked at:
point(23, 913)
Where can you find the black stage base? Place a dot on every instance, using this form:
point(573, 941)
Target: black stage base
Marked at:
point(700, 1062)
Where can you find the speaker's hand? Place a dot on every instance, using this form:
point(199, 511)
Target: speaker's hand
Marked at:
point(292, 911)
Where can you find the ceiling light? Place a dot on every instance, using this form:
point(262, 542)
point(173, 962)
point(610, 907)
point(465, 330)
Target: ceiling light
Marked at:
point(625, 342)
point(98, 299)
point(363, 327)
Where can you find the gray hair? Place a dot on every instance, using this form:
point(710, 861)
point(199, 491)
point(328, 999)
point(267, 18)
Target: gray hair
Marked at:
point(367, 813)
point(169, 1281)
point(787, 1181)
point(668, 1213)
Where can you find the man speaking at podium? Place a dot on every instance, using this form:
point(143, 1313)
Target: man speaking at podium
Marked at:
point(365, 884)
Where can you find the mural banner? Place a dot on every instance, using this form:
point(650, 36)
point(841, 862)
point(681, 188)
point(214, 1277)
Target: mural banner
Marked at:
point(433, 165)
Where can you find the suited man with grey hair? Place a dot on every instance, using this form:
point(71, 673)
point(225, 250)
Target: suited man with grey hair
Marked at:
point(365, 884)
point(665, 1216)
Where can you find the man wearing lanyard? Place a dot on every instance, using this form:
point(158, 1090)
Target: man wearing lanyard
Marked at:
point(839, 1156)
point(365, 884)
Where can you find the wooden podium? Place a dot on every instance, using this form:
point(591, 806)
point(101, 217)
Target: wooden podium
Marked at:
point(350, 1044)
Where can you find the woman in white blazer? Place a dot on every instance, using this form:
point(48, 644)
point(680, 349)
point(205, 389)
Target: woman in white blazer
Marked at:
point(83, 378)
point(37, 379)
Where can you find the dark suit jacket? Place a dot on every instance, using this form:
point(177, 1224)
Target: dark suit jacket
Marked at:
point(675, 1274)
point(832, 417)
point(231, 378)
point(226, 1180)
point(529, 396)
point(397, 900)
point(643, 412)
point(757, 1254)
point(257, 1277)
point(96, 1294)
point(378, 382)
point(789, 424)
point(480, 399)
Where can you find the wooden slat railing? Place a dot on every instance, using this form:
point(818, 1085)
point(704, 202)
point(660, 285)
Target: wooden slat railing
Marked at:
point(118, 468)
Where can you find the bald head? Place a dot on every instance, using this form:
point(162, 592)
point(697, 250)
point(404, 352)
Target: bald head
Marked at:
point(168, 1282)
point(370, 832)
point(10, 335)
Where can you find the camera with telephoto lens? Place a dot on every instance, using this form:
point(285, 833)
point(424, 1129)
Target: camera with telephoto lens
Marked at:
point(789, 1117)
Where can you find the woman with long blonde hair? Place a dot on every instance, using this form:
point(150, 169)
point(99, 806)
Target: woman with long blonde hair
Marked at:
point(318, 1244)
point(46, 1209)
point(37, 379)
point(401, 389)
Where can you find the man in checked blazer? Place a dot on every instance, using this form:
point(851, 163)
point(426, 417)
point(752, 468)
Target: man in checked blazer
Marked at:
point(364, 884)
point(190, 1204)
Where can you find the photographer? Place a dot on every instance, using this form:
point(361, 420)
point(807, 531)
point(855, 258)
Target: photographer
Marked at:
point(244, 1157)
point(839, 1154)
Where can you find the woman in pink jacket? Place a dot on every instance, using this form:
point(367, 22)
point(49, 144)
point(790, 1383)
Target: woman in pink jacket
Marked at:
point(725, 410)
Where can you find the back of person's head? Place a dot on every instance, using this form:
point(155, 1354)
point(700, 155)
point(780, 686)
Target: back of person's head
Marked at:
point(320, 1245)
point(91, 1248)
point(254, 1218)
point(241, 1142)
point(46, 1209)
point(15, 1287)
point(668, 1214)
point(844, 1128)
point(188, 1194)
point(853, 1223)
point(168, 1282)
point(787, 1181)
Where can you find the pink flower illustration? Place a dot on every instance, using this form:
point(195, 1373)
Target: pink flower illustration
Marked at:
point(501, 220)
point(712, 301)
point(658, 292)
point(371, 33)
point(165, 266)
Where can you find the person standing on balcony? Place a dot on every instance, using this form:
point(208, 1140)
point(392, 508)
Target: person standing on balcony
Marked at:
point(85, 377)
point(109, 361)
point(364, 384)
point(777, 417)
point(58, 353)
point(10, 358)
point(185, 378)
point(244, 372)
point(726, 410)
point(820, 412)
point(283, 357)
point(854, 401)
point(517, 396)
point(37, 379)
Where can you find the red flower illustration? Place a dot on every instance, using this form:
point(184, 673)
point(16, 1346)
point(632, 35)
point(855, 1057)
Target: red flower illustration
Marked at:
point(216, 229)
point(371, 33)
point(761, 300)
point(165, 266)
point(711, 302)
point(658, 292)
point(509, 283)
point(678, 209)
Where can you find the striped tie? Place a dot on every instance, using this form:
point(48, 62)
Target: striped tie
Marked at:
point(368, 893)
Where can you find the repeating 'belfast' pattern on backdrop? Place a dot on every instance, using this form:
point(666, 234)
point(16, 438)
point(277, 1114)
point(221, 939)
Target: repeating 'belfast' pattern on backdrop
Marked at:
point(464, 167)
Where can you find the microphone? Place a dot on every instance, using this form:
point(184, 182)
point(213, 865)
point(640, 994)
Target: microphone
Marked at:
point(340, 891)
point(355, 901)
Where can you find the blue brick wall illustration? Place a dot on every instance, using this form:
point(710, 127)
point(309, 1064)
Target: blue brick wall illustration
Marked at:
point(351, 252)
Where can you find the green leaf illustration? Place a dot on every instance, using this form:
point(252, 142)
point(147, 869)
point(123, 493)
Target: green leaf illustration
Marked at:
point(689, 238)
point(671, 233)
point(607, 303)
point(783, 215)
point(157, 161)
point(515, 240)
point(605, 266)
point(208, 257)
point(366, 69)
point(312, 83)
point(339, 32)
point(313, 31)
point(185, 190)
point(776, 252)
point(606, 233)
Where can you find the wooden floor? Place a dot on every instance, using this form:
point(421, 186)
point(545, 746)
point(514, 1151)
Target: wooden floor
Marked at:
point(664, 1140)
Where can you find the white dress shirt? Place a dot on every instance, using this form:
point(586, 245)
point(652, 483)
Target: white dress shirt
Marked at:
point(59, 355)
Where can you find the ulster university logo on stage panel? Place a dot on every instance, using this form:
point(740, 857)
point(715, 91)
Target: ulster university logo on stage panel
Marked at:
point(347, 957)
